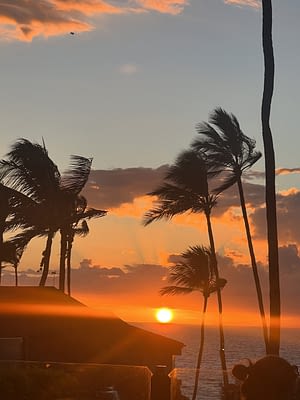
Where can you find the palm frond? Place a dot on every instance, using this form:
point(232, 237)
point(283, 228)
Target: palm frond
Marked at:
point(229, 180)
point(216, 285)
point(17, 178)
point(175, 290)
point(82, 230)
point(190, 171)
point(35, 172)
point(22, 240)
point(75, 178)
point(172, 200)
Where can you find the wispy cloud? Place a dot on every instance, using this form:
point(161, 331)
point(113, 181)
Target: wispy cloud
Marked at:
point(248, 3)
point(287, 171)
point(164, 6)
point(26, 19)
point(128, 69)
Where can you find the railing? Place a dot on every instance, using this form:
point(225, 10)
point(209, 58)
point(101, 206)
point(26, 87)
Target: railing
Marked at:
point(22, 380)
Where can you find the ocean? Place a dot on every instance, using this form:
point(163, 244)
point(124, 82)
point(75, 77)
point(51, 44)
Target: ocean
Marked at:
point(240, 344)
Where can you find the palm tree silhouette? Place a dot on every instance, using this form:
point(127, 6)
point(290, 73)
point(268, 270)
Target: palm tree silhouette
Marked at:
point(11, 255)
point(272, 234)
point(29, 170)
point(75, 211)
point(11, 202)
point(195, 273)
point(55, 204)
point(229, 150)
point(185, 189)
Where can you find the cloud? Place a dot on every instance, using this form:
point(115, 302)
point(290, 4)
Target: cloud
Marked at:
point(173, 7)
point(26, 19)
point(128, 69)
point(248, 3)
point(254, 197)
point(288, 210)
point(112, 188)
point(123, 193)
point(287, 171)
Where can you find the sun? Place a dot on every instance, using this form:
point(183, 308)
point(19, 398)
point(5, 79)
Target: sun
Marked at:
point(164, 315)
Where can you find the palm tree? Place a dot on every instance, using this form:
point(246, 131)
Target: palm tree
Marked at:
point(229, 150)
point(80, 229)
point(74, 211)
point(185, 189)
point(29, 171)
point(274, 282)
point(4, 212)
point(195, 273)
point(11, 202)
point(55, 201)
point(11, 256)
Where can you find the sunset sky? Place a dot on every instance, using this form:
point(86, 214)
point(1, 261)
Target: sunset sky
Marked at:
point(127, 88)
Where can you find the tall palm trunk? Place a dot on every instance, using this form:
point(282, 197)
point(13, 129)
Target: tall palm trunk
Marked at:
point(200, 354)
point(4, 212)
point(274, 283)
point(69, 253)
point(254, 265)
point(1, 253)
point(16, 275)
point(62, 260)
point(46, 259)
point(219, 297)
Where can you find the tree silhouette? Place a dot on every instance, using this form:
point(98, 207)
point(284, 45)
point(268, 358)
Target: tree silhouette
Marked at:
point(29, 170)
point(10, 256)
point(185, 189)
point(195, 274)
point(73, 211)
point(11, 202)
point(54, 201)
point(230, 151)
point(274, 283)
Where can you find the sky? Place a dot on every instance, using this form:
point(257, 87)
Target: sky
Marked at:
point(128, 88)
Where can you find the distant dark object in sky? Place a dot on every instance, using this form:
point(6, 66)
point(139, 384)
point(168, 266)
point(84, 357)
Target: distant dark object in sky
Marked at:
point(72, 33)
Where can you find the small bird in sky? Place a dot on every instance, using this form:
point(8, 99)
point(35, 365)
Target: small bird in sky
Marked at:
point(72, 33)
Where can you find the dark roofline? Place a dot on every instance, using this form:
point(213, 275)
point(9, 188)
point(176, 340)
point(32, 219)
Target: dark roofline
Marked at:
point(35, 298)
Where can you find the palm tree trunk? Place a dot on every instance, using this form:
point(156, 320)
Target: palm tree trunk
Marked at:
point(4, 212)
point(220, 305)
point(62, 261)
point(16, 275)
point(69, 252)
point(254, 265)
point(275, 306)
point(1, 250)
point(46, 259)
point(200, 354)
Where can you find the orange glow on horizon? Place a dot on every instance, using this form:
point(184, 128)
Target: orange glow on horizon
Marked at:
point(164, 315)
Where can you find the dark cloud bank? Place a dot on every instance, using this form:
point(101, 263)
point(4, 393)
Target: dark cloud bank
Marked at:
point(109, 189)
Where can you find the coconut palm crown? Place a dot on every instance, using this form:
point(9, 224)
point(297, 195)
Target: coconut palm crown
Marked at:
point(227, 148)
point(193, 273)
point(185, 188)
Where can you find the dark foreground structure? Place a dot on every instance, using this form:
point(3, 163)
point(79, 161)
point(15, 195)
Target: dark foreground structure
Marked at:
point(43, 324)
